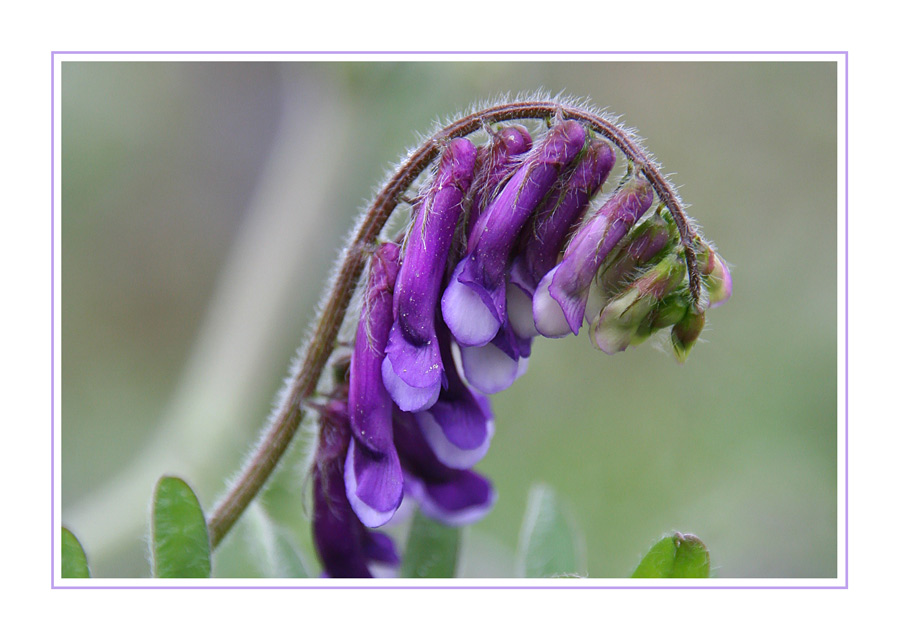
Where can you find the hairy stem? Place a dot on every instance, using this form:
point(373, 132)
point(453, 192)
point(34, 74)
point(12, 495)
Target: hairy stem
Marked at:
point(318, 349)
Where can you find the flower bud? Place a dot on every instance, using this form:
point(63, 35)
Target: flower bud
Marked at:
point(640, 247)
point(412, 369)
point(686, 332)
point(620, 323)
point(561, 297)
point(718, 283)
point(474, 302)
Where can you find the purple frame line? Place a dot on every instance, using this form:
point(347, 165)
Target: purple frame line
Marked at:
point(392, 52)
point(52, 319)
point(846, 584)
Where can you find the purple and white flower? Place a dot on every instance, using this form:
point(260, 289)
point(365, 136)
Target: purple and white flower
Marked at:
point(452, 496)
point(474, 302)
point(412, 370)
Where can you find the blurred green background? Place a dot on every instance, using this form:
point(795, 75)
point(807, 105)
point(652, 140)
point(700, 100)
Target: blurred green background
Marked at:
point(204, 203)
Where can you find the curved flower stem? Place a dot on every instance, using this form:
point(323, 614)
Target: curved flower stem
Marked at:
point(320, 345)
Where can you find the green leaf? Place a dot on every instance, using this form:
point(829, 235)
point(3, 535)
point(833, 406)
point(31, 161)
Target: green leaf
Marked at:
point(550, 543)
point(432, 550)
point(179, 540)
point(680, 556)
point(74, 561)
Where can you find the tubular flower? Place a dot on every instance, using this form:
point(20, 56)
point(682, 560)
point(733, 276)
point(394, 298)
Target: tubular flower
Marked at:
point(495, 164)
point(372, 472)
point(413, 371)
point(501, 239)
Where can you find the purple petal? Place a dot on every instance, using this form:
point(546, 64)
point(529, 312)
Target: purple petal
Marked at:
point(470, 310)
point(549, 318)
point(519, 305)
point(379, 548)
point(494, 367)
point(409, 398)
point(369, 402)
point(415, 371)
point(561, 212)
point(462, 500)
point(459, 433)
point(496, 163)
point(374, 484)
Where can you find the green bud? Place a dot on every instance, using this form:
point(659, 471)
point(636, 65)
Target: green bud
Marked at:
point(628, 318)
point(686, 332)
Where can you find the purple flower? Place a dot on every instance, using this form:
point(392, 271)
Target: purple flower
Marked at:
point(474, 302)
point(412, 370)
point(459, 426)
point(451, 496)
point(345, 546)
point(372, 472)
point(495, 163)
point(553, 223)
point(561, 296)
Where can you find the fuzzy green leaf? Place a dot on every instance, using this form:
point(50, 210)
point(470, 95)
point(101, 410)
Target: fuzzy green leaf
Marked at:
point(432, 550)
point(550, 543)
point(680, 556)
point(179, 540)
point(74, 561)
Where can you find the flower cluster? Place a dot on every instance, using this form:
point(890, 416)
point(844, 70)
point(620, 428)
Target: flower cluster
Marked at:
point(502, 247)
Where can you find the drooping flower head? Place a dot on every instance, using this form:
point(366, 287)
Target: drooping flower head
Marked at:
point(507, 221)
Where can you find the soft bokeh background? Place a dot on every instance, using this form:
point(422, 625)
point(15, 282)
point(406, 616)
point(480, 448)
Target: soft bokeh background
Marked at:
point(203, 205)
